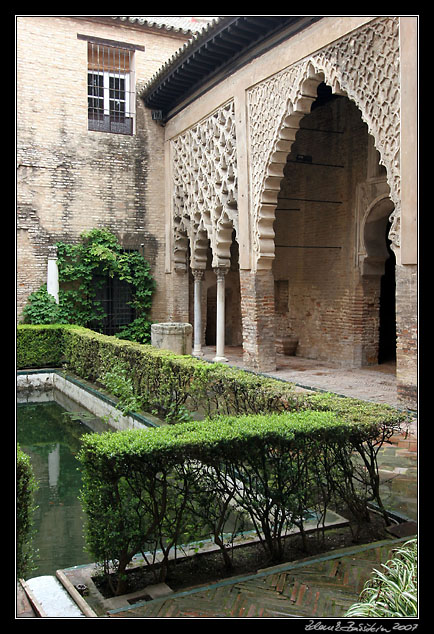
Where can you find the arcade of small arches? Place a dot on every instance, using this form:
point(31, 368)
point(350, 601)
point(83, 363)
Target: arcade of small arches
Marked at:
point(330, 228)
point(323, 227)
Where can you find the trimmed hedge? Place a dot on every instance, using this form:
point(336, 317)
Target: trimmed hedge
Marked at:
point(143, 488)
point(174, 386)
point(39, 346)
point(25, 489)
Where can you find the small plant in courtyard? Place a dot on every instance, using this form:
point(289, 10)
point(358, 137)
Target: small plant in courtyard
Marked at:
point(392, 591)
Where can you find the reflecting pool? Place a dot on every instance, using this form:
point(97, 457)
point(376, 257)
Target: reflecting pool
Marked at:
point(51, 437)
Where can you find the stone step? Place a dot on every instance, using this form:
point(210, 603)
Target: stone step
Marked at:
point(50, 599)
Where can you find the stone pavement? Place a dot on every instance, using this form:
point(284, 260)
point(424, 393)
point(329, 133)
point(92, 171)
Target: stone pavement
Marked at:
point(317, 587)
point(371, 383)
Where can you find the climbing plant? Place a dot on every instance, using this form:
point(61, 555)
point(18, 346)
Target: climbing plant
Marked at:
point(83, 268)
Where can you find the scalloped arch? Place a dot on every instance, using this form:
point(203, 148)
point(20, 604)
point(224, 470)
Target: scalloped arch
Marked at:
point(180, 244)
point(347, 68)
point(205, 192)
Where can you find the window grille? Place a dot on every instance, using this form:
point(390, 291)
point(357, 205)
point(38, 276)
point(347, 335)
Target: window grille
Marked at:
point(110, 89)
point(115, 296)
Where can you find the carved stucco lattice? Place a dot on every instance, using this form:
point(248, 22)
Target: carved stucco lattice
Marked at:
point(205, 189)
point(363, 66)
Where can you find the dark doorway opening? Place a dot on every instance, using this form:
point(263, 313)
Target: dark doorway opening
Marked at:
point(211, 316)
point(387, 339)
point(114, 296)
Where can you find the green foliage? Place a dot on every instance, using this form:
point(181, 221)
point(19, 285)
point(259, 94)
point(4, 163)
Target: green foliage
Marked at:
point(84, 265)
point(39, 346)
point(42, 308)
point(143, 486)
point(25, 488)
point(120, 384)
point(392, 591)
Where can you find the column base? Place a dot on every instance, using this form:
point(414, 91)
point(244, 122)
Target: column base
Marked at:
point(197, 353)
point(220, 359)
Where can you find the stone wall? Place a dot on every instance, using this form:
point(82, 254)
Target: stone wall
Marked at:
point(71, 179)
point(406, 327)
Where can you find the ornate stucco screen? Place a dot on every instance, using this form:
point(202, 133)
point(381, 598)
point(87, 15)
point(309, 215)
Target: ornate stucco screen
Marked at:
point(364, 66)
point(205, 205)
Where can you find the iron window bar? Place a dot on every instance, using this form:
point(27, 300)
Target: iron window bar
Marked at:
point(110, 88)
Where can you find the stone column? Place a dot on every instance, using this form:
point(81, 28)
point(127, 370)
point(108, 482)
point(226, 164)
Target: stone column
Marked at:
point(198, 276)
point(220, 335)
point(53, 274)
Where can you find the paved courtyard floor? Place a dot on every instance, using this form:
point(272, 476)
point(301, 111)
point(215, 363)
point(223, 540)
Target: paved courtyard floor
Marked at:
point(320, 587)
point(372, 383)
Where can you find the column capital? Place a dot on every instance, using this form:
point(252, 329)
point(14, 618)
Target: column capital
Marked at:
point(52, 252)
point(198, 273)
point(220, 271)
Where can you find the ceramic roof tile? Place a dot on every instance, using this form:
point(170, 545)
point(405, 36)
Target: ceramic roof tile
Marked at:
point(183, 23)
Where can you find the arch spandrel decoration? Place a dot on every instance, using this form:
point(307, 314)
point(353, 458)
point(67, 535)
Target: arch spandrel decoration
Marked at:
point(205, 189)
point(364, 66)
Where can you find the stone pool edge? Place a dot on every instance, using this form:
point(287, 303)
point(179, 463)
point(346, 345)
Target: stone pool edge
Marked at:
point(84, 394)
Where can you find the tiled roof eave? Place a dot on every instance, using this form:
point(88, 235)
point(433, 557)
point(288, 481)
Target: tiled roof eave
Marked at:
point(217, 46)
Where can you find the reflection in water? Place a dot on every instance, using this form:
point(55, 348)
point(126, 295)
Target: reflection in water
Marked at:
point(52, 441)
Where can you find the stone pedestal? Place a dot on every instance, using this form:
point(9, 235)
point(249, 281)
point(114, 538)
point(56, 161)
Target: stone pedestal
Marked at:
point(176, 337)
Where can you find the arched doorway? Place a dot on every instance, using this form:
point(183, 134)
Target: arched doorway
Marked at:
point(377, 269)
point(331, 312)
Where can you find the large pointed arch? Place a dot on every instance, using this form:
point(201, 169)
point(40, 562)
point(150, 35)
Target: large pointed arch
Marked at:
point(279, 103)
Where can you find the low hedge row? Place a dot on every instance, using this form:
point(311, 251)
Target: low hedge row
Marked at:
point(173, 386)
point(25, 489)
point(142, 490)
point(39, 346)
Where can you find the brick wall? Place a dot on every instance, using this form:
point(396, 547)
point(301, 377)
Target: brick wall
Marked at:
point(331, 310)
point(257, 310)
point(71, 179)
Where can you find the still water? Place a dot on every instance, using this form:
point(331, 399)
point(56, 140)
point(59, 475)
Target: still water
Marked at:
point(52, 440)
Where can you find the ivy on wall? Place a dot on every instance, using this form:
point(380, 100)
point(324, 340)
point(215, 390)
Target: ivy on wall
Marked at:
point(82, 268)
